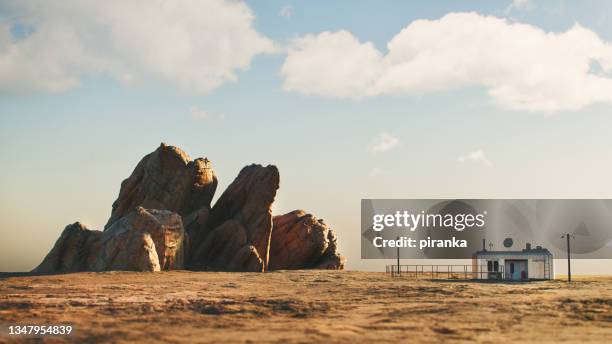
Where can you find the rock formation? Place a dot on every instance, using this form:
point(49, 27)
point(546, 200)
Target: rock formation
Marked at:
point(235, 234)
point(166, 179)
point(143, 240)
point(179, 228)
point(301, 241)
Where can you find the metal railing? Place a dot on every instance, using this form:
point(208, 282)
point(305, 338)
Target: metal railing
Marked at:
point(445, 271)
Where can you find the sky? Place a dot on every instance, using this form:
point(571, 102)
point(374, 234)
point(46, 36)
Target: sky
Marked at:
point(350, 99)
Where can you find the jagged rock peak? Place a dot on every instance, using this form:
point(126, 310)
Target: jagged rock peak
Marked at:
point(166, 179)
point(239, 226)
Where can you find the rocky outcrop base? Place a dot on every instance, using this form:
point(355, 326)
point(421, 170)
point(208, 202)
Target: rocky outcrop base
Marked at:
point(143, 240)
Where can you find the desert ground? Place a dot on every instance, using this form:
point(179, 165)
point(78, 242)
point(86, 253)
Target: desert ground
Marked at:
point(304, 306)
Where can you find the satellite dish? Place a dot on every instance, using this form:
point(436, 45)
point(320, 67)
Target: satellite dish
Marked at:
point(508, 242)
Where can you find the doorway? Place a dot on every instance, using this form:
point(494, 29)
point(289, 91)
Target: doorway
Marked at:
point(516, 269)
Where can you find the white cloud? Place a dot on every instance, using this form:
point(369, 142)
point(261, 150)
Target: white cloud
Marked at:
point(312, 65)
point(477, 156)
point(383, 142)
point(198, 114)
point(520, 5)
point(286, 11)
point(521, 66)
point(197, 45)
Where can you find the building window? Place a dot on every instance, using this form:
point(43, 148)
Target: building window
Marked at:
point(492, 266)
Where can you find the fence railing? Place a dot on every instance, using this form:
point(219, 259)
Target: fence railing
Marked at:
point(445, 271)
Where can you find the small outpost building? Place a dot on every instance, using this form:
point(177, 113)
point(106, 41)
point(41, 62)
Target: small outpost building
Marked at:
point(527, 264)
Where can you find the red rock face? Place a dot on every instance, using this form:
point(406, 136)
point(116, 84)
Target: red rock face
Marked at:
point(166, 179)
point(301, 241)
point(235, 235)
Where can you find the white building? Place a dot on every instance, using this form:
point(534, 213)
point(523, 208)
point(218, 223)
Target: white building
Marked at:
point(528, 264)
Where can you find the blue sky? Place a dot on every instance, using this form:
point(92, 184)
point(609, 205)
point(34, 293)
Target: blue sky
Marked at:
point(64, 153)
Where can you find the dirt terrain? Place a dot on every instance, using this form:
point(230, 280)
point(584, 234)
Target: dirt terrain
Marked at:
point(304, 306)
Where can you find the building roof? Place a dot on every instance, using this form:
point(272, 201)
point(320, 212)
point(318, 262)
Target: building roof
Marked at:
point(534, 251)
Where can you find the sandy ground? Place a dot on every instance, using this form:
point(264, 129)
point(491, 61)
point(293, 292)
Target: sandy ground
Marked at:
point(305, 306)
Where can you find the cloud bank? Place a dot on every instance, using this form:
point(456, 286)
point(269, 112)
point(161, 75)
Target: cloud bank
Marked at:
point(197, 45)
point(521, 66)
